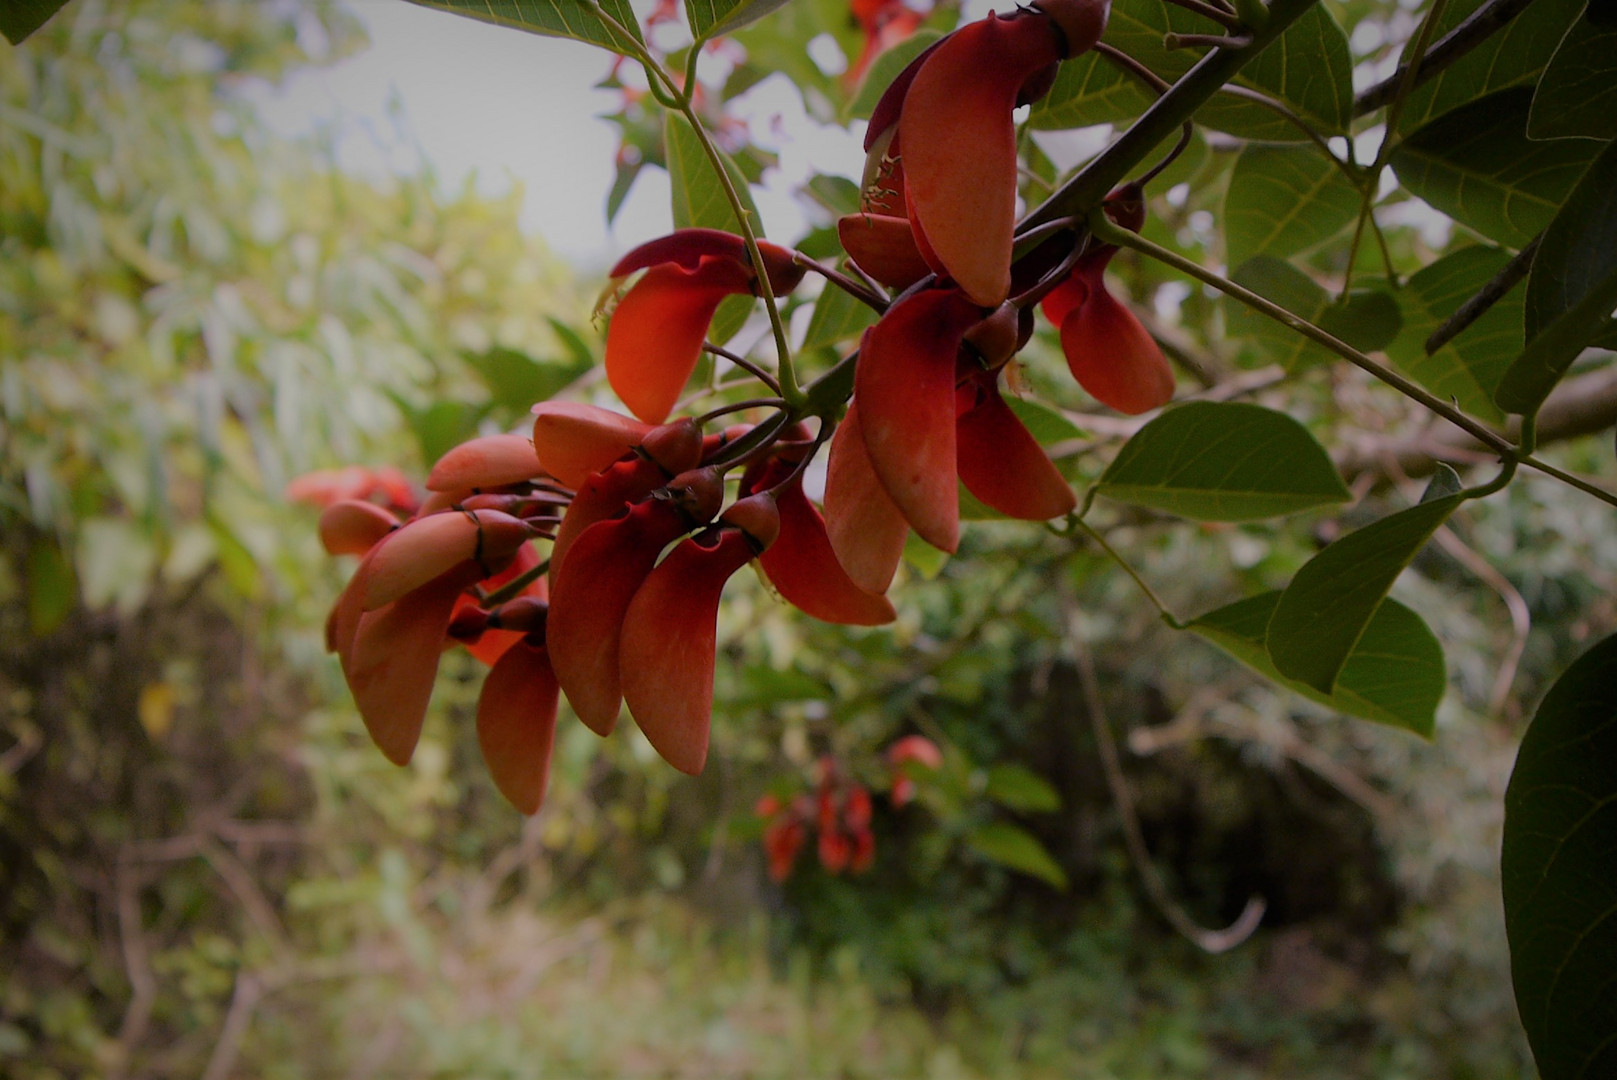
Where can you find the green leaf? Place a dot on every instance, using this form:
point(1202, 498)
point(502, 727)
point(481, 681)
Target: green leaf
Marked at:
point(19, 18)
point(553, 18)
point(699, 201)
point(1018, 849)
point(516, 380)
point(1329, 604)
point(1283, 200)
point(1512, 57)
point(1572, 288)
point(1045, 424)
point(837, 316)
point(1395, 674)
point(884, 69)
point(1577, 94)
point(1556, 868)
point(440, 426)
point(710, 18)
point(1368, 319)
point(1223, 461)
point(52, 589)
point(1477, 165)
point(1023, 790)
point(1089, 89)
point(927, 560)
point(1282, 283)
point(1468, 368)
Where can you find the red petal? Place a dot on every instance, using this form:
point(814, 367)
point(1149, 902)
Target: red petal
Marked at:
point(422, 549)
point(1004, 466)
point(603, 496)
point(486, 462)
point(864, 526)
point(890, 105)
point(1112, 356)
point(352, 527)
point(884, 247)
point(668, 646)
point(683, 247)
point(516, 724)
point(960, 145)
point(493, 644)
point(803, 567)
point(905, 388)
point(657, 330)
point(1064, 299)
point(588, 599)
point(573, 440)
point(394, 660)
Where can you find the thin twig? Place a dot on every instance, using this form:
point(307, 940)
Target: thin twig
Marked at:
point(744, 364)
point(1225, 18)
point(1486, 297)
point(842, 281)
point(1521, 619)
point(237, 1020)
point(1473, 31)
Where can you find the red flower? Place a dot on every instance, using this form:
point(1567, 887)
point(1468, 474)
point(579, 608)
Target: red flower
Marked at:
point(656, 333)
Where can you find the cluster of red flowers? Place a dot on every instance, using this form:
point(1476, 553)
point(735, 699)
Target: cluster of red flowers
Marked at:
point(624, 610)
point(838, 811)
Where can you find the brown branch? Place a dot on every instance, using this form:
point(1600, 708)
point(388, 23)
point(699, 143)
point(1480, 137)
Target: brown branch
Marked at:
point(1486, 297)
point(1479, 27)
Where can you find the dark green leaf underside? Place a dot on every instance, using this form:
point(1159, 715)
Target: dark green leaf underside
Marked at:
point(1283, 200)
point(1577, 94)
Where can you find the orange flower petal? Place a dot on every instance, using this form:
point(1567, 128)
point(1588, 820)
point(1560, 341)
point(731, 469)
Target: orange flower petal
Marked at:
point(422, 549)
point(1003, 465)
point(485, 462)
point(668, 646)
point(1112, 356)
point(657, 331)
point(516, 724)
point(863, 524)
point(603, 496)
point(883, 247)
point(588, 599)
point(960, 145)
point(352, 527)
point(573, 440)
point(905, 388)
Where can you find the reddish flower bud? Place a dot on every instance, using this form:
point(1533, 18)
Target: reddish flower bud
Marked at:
point(573, 440)
point(865, 528)
point(863, 855)
point(352, 527)
point(516, 724)
point(758, 517)
point(602, 496)
point(424, 548)
point(1000, 462)
point(782, 842)
point(917, 748)
point(486, 462)
point(883, 247)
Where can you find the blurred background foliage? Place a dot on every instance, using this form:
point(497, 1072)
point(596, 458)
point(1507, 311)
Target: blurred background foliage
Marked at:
point(207, 870)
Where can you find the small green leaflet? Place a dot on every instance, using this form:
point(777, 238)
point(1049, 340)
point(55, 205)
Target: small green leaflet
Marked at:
point(52, 588)
point(574, 19)
point(1326, 609)
point(1572, 288)
point(1477, 165)
point(1088, 90)
point(516, 380)
point(1223, 461)
point(837, 316)
point(1283, 200)
point(1281, 283)
point(1557, 872)
point(1021, 789)
point(1469, 366)
point(1577, 94)
point(1395, 674)
point(710, 18)
point(699, 202)
point(1018, 849)
point(19, 18)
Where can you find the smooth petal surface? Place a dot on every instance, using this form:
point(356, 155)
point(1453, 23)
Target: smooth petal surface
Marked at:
point(884, 247)
point(802, 566)
point(683, 247)
point(1112, 356)
point(905, 388)
point(573, 440)
point(604, 495)
point(352, 527)
point(1004, 466)
point(485, 462)
point(865, 527)
point(588, 599)
point(394, 660)
point(656, 333)
point(516, 724)
point(668, 646)
point(959, 145)
point(420, 550)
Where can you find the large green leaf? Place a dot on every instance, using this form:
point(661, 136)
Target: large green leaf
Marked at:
point(1090, 89)
point(19, 18)
point(1577, 94)
point(1395, 674)
point(699, 202)
point(1223, 461)
point(1477, 165)
point(837, 316)
point(1330, 602)
point(1003, 843)
point(1281, 283)
point(710, 18)
point(1021, 789)
point(1572, 289)
point(1557, 866)
point(553, 18)
point(1512, 57)
point(1469, 366)
point(1283, 200)
point(516, 380)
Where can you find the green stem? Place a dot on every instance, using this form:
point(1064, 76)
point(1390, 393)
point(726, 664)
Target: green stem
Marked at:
point(513, 588)
point(1103, 228)
point(1162, 609)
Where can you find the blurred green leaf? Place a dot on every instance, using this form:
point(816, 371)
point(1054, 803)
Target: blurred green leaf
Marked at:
point(1284, 200)
point(116, 561)
point(1021, 789)
point(552, 18)
point(1556, 865)
point(19, 18)
point(1368, 319)
point(52, 589)
point(1394, 675)
point(927, 560)
point(440, 426)
point(516, 380)
point(1018, 849)
point(1045, 424)
point(837, 316)
point(1469, 366)
point(1323, 613)
point(1223, 461)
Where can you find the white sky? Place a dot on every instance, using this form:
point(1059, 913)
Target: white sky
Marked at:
point(510, 106)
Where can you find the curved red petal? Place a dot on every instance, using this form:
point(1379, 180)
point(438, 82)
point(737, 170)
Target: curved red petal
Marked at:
point(493, 643)
point(602, 496)
point(1064, 299)
point(803, 567)
point(891, 104)
point(905, 388)
point(485, 462)
point(353, 527)
point(683, 247)
point(1113, 357)
point(883, 247)
point(588, 599)
point(516, 724)
point(865, 527)
point(423, 548)
point(668, 646)
point(1003, 465)
point(960, 145)
point(572, 439)
point(656, 333)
